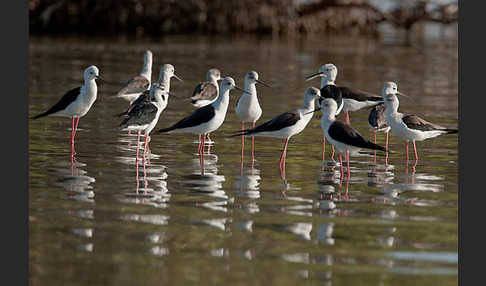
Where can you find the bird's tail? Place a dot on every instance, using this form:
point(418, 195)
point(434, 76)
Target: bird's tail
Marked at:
point(164, 130)
point(373, 146)
point(39, 115)
point(241, 132)
point(451, 131)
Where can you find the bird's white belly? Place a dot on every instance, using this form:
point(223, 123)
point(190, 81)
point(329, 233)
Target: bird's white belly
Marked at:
point(77, 108)
point(354, 105)
point(248, 110)
point(202, 102)
point(130, 96)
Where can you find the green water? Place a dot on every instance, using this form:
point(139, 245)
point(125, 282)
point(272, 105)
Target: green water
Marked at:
point(236, 224)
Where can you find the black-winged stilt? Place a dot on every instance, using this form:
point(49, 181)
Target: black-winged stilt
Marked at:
point(144, 116)
point(138, 84)
point(206, 92)
point(408, 127)
point(208, 118)
point(377, 122)
point(345, 138)
point(76, 102)
point(286, 124)
point(248, 108)
point(353, 99)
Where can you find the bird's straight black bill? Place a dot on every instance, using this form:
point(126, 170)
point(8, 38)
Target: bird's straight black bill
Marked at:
point(314, 75)
point(317, 109)
point(242, 90)
point(262, 83)
point(178, 78)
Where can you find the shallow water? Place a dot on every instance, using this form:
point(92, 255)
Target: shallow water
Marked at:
point(92, 223)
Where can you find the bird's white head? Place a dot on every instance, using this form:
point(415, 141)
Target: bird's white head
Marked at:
point(91, 72)
point(389, 88)
point(312, 93)
point(228, 84)
point(167, 71)
point(329, 106)
point(213, 75)
point(328, 71)
point(390, 92)
point(251, 77)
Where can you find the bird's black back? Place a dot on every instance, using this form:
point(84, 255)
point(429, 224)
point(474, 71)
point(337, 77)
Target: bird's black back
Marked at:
point(64, 102)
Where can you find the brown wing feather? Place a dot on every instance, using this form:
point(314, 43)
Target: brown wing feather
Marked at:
point(415, 122)
point(135, 85)
point(204, 91)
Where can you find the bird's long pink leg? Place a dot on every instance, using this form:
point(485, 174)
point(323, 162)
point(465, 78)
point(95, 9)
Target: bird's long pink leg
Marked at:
point(416, 156)
point(374, 135)
point(145, 150)
point(341, 165)
point(74, 134)
point(242, 139)
point(199, 147)
point(138, 145)
point(203, 137)
point(386, 142)
point(281, 162)
point(72, 137)
point(252, 146)
point(333, 151)
point(347, 118)
point(323, 146)
point(406, 151)
point(347, 164)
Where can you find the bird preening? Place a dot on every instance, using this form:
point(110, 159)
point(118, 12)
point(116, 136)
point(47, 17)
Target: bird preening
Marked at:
point(148, 100)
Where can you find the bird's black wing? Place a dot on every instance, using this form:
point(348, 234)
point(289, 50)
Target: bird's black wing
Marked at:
point(65, 100)
point(135, 85)
point(140, 114)
point(331, 91)
point(417, 123)
point(199, 116)
point(359, 95)
point(204, 91)
point(346, 134)
point(279, 122)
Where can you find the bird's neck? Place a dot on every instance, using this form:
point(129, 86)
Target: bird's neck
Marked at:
point(164, 81)
point(147, 70)
point(222, 99)
point(251, 88)
point(309, 104)
point(215, 82)
point(328, 118)
point(326, 81)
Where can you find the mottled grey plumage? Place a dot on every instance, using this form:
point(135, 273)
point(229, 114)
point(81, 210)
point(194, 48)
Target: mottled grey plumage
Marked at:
point(137, 84)
point(204, 91)
point(377, 118)
point(141, 114)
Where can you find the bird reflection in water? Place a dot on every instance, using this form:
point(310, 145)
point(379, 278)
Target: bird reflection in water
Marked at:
point(75, 180)
point(204, 180)
point(248, 183)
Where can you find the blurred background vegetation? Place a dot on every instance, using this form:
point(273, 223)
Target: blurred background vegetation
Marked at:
point(276, 17)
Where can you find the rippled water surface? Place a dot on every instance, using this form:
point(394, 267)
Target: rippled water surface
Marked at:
point(92, 223)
